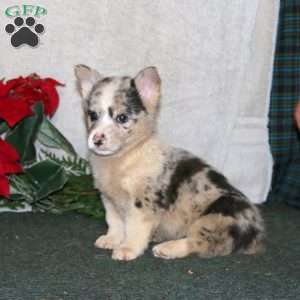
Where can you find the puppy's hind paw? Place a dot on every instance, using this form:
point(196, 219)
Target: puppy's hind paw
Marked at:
point(162, 252)
point(171, 249)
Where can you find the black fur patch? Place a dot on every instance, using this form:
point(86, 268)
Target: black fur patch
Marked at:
point(219, 180)
point(134, 104)
point(207, 187)
point(183, 172)
point(110, 112)
point(227, 206)
point(161, 200)
point(138, 204)
point(100, 83)
point(106, 80)
point(242, 239)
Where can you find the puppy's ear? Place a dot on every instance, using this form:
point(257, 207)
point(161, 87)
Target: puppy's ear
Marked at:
point(148, 85)
point(86, 78)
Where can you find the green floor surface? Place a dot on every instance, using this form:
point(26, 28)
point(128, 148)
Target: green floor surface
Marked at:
point(50, 257)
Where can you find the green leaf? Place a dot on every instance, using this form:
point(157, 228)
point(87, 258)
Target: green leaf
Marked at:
point(51, 137)
point(73, 165)
point(12, 203)
point(3, 127)
point(23, 136)
point(21, 187)
point(47, 177)
point(78, 195)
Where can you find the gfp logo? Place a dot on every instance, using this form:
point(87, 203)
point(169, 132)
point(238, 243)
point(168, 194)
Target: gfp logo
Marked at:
point(25, 29)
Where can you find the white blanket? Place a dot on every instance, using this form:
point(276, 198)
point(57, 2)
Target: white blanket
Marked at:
point(215, 59)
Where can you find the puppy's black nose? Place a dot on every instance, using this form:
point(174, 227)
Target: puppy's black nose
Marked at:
point(98, 139)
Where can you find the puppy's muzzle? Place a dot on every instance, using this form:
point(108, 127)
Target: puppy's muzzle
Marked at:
point(98, 139)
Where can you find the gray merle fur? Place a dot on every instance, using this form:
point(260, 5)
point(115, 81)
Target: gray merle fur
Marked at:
point(221, 182)
point(242, 239)
point(134, 104)
point(227, 205)
point(183, 172)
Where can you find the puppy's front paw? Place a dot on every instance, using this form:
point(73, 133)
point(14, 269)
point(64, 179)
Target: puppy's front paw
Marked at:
point(107, 242)
point(124, 253)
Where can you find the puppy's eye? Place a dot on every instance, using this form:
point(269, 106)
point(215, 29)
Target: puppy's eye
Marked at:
point(122, 118)
point(92, 115)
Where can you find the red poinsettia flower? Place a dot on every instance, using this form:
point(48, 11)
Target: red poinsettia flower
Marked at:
point(17, 96)
point(9, 164)
point(14, 110)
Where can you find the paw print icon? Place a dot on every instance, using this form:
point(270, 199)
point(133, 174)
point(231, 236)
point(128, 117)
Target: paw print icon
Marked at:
point(24, 32)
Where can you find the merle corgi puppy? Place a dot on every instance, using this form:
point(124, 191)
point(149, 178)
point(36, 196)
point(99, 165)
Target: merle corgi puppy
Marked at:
point(154, 192)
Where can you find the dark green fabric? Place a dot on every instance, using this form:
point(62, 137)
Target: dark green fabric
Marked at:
point(49, 257)
point(284, 136)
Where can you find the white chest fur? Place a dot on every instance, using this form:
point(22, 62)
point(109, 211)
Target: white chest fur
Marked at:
point(125, 178)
